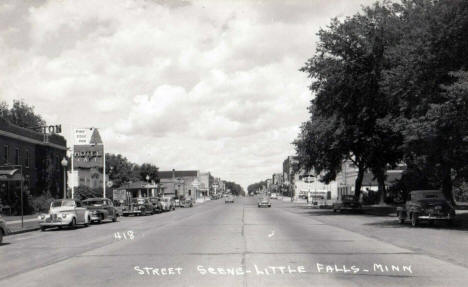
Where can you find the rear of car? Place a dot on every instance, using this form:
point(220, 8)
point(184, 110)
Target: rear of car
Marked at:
point(264, 202)
point(348, 203)
point(3, 229)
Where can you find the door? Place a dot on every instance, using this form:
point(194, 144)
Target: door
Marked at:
point(80, 212)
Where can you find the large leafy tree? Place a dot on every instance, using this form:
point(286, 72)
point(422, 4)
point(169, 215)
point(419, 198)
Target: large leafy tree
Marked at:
point(427, 83)
point(350, 114)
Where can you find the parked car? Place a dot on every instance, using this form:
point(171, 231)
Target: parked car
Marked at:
point(65, 213)
point(426, 205)
point(138, 206)
point(156, 206)
point(347, 202)
point(186, 202)
point(3, 229)
point(273, 196)
point(167, 203)
point(229, 199)
point(264, 201)
point(101, 209)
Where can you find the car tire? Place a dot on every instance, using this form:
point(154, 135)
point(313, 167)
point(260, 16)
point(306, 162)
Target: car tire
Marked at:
point(114, 219)
point(72, 224)
point(414, 219)
point(87, 222)
point(401, 219)
point(43, 228)
point(1, 236)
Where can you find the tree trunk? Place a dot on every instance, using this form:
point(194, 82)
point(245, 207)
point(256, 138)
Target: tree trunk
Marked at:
point(358, 183)
point(381, 182)
point(447, 186)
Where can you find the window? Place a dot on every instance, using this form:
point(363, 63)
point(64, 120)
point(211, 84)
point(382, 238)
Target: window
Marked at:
point(17, 156)
point(6, 151)
point(26, 160)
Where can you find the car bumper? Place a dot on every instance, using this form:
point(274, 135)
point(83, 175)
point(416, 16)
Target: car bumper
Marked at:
point(434, 217)
point(264, 204)
point(63, 222)
point(95, 217)
point(131, 212)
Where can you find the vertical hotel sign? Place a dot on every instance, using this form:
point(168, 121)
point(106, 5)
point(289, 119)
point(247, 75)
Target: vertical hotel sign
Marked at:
point(88, 152)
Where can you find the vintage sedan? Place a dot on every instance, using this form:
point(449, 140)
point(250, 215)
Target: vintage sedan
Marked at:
point(156, 206)
point(101, 209)
point(139, 206)
point(426, 205)
point(264, 202)
point(229, 199)
point(347, 202)
point(3, 229)
point(65, 213)
point(167, 203)
point(186, 202)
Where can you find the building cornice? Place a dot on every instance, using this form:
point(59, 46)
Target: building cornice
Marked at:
point(29, 140)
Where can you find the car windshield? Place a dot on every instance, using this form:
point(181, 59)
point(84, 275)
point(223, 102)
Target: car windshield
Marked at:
point(97, 202)
point(59, 203)
point(166, 199)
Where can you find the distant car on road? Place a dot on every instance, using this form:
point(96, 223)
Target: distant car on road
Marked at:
point(273, 196)
point(167, 203)
point(426, 205)
point(100, 209)
point(65, 213)
point(186, 202)
point(3, 229)
point(347, 202)
point(156, 205)
point(229, 199)
point(264, 201)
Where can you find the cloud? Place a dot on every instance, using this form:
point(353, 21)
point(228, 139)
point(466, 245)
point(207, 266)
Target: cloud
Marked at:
point(208, 85)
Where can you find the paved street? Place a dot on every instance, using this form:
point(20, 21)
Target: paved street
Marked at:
point(218, 244)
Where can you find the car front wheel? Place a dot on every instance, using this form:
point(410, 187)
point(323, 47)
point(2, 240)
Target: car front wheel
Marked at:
point(1, 236)
point(73, 223)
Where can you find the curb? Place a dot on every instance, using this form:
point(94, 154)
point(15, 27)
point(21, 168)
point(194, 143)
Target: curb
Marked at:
point(23, 231)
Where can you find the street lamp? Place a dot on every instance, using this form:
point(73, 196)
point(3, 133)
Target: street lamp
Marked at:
point(64, 163)
point(147, 188)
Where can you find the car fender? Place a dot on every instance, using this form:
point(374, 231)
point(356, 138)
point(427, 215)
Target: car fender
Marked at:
point(87, 216)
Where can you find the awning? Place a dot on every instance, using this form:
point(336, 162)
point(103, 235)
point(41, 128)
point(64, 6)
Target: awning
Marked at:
point(10, 175)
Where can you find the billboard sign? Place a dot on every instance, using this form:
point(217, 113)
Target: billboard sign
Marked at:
point(88, 156)
point(86, 136)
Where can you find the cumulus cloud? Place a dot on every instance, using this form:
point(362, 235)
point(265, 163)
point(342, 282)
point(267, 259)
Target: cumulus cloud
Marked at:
point(208, 85)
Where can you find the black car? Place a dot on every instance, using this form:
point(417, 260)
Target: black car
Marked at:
point(100, 209)
point(426, 205)
point(347, 202)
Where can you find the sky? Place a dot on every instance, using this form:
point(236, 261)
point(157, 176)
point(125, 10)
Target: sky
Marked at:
point(207, 85)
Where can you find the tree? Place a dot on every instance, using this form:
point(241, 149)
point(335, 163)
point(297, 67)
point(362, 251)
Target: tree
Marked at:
point(350, 113)
point(21, 114)
point(148, 169)
point(119, 169)
point(429, 95)
point(253, 188)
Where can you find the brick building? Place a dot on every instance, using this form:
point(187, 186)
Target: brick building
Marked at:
point(38, 154)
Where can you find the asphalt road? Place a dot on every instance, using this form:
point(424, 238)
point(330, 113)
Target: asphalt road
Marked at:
point(218, 244)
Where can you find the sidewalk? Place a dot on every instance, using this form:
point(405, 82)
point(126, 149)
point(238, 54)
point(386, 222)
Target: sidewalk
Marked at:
point(30, 223)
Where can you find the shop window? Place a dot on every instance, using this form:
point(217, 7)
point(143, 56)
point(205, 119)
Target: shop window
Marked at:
point(328, 194)
point(26, 159)
point(17, 156)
